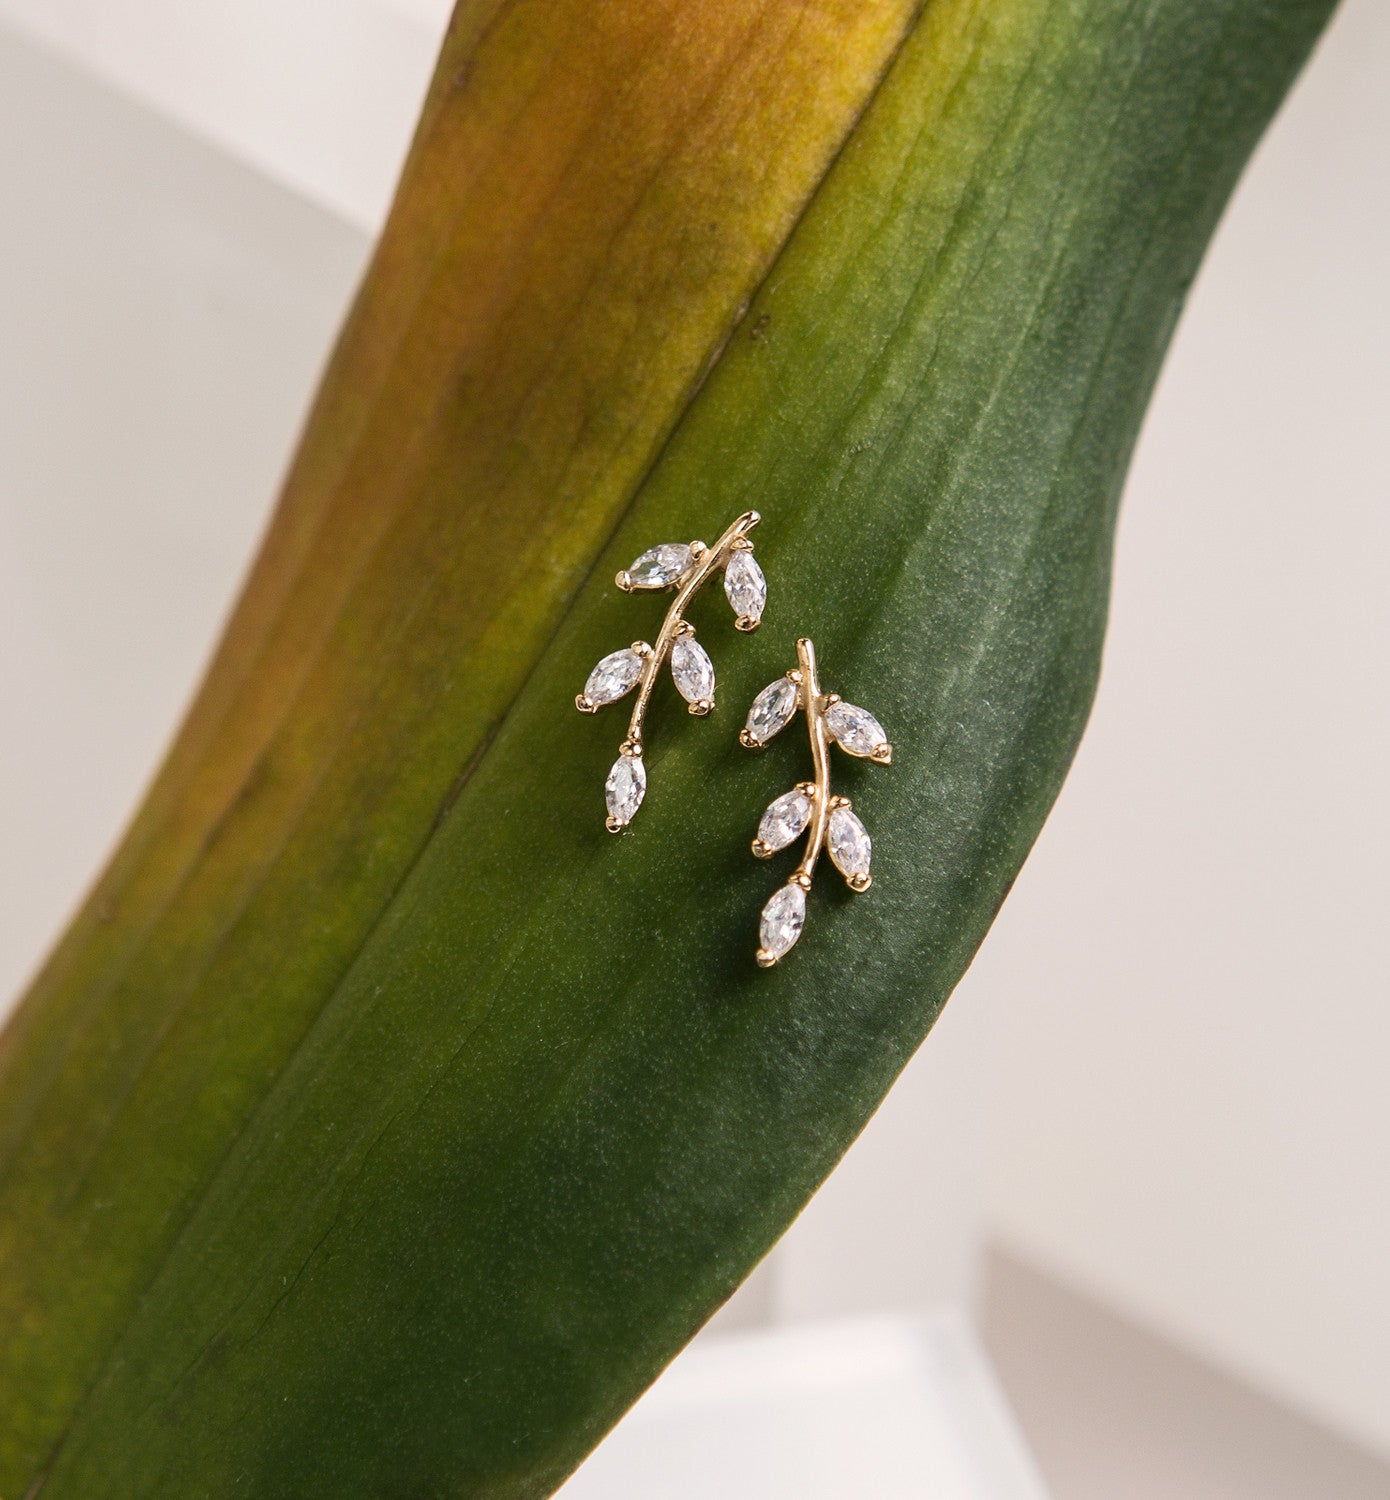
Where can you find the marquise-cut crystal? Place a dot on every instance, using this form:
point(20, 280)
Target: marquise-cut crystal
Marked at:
point(785, 819)
point(854, 729)
point(783, 918)
point(692, 670)
point(625, 788)
point(772, 710)
point(849, 842)
point(745, 585)
point(659, 566)
point(615, 675)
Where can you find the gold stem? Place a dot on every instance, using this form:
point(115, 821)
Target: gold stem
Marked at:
point(814, 705)
point(674, 625)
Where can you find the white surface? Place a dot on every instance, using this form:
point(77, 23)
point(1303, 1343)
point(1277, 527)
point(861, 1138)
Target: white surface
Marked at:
point(1165, 1073)
point(900, 1220)
point(1188, 988)
point(320, 95)
point(896, 1409)
point(163, 314)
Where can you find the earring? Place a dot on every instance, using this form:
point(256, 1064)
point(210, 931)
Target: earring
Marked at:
point(809, 803)
point(672, 565)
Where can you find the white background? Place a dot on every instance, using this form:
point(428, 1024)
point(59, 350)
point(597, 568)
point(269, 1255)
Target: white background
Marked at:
point(1164, 1078)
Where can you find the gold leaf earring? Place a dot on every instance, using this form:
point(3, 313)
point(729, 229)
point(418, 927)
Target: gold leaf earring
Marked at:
point(809, 804)
point(672, 565)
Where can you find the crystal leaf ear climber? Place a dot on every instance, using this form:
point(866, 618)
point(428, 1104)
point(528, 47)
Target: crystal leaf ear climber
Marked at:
point(809, 803)
point(673, 565)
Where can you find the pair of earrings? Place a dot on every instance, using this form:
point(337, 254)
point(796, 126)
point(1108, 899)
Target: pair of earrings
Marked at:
point(830, 819)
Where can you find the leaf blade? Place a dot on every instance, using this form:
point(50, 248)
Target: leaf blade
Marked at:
point(560, 1183)
point(576, 228)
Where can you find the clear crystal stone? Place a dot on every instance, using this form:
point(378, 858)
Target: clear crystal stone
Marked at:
point(660, 566)
point(772, 710)
point(745, 585)
point(692, 670)
point(783, 918)
point(615, 675)
point(625, 788)
point(854, 729)
point(849, 843)
point(785, 819)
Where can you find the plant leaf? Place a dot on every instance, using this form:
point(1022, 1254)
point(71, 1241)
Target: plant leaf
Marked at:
point(591, 198)
point(367, 1137)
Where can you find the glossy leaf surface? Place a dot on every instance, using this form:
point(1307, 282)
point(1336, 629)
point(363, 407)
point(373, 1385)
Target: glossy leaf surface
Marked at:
point(591, 197)
point(384, 1125)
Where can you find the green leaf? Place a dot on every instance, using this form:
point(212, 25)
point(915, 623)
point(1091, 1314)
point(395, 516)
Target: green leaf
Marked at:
point(384, 1125)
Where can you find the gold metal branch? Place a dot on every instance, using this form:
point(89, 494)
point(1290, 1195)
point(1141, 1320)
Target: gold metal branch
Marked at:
point(810, 806)
point(686, 569)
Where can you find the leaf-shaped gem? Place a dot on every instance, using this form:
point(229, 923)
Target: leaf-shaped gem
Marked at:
point(614, 676)
point(783, 821)
point(659, 567)
point(746, 587)
point(692, 670)
point(771, 711)
point(850, 847)
point(857, 731)
point(783, 918)
point(625, 788)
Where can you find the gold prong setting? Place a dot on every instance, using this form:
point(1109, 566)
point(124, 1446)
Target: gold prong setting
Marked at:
point(625, 787)
point(684, 568)
point(828, 819)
